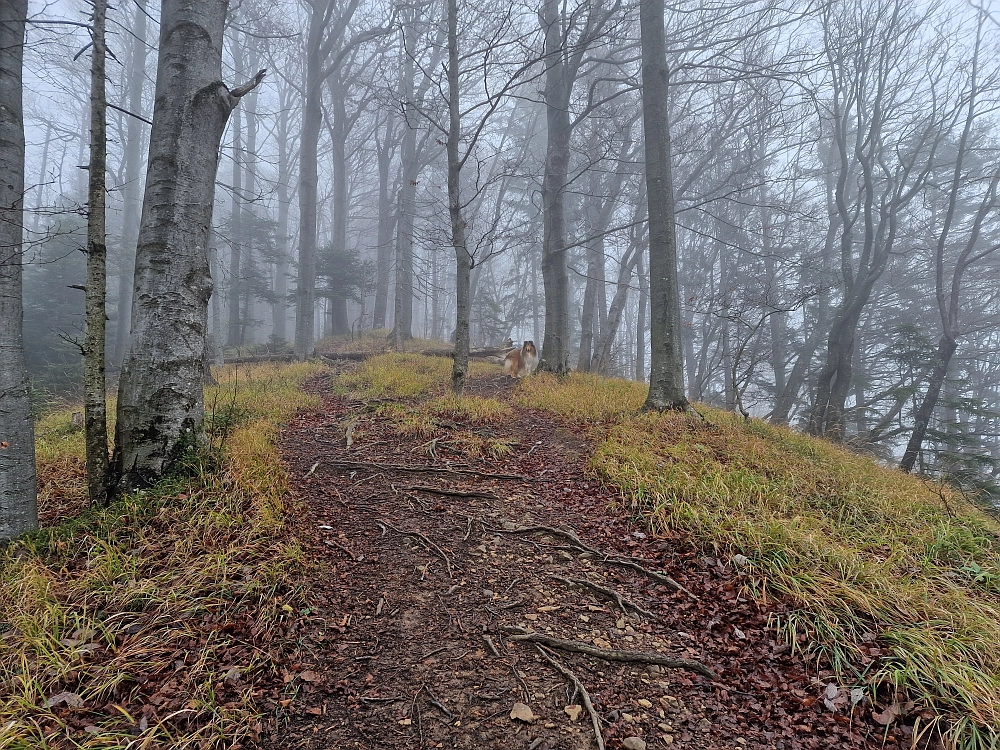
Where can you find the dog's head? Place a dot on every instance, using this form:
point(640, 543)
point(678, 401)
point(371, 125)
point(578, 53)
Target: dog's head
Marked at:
point(529, 349)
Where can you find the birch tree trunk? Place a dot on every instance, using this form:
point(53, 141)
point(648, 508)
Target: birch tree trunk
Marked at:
point(18, 506)
point(666, 374)
point(95, 400)
point(160, 397)
point(133, 181)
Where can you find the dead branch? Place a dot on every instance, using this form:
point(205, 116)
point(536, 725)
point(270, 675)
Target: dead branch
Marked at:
point(623, 604)
point(449, 493)
point(637, 657)
point(342, 548)
point(417, 535)
point(491, 645)
point(587, 703)
point(370, 465)
point(607, 559)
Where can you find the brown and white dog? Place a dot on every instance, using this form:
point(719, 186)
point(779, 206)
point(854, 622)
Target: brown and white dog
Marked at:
point(521, 362)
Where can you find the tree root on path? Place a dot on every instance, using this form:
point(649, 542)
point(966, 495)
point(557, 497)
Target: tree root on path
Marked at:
point(449, 493)
point(373, 466)
point(587, 703)
point(607, 559)
point(623, 604)
point(417, 535)
point(638, 657)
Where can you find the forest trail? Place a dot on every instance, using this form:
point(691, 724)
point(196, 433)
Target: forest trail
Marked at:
point(420, 578)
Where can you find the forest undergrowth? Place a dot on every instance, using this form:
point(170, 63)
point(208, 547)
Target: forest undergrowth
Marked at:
point(162, 620)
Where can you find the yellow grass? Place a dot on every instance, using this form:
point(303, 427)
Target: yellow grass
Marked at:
point(90, 607)
point(390, 376)
point(856, 548)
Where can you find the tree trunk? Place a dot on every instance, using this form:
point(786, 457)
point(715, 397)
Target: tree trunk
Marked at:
point(402, 329)
point(234, 331)
point(463, 261)
point(250, 279)
point(386, 221)
point(132, 197)
point(339, 323)
point(160, 397)
point(555, 276)
point(640, 328)
point(95, 400)
point(312, 120)
point(666, 375)
point(602, 358)
point(922, 417)
point(18, 506)
point(279, 308)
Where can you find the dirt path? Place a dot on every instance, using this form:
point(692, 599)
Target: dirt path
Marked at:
point(423, 579)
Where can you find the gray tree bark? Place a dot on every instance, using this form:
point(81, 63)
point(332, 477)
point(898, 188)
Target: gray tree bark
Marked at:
point(160, 397)
point(463, 261)
point(133, 180)
point(555, 276)
point(666, 375)
point(234, 330)
point(279, 308)
point(18, 504)
point(386, 223)
point(95, 401)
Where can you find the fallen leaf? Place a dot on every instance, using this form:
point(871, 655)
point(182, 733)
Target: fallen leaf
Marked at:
point(888, 716)
point(70, 699)
point(573, 712)
point(309, 676)
point(521, 712)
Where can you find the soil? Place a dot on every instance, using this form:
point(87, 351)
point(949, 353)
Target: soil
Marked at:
point(420, 580)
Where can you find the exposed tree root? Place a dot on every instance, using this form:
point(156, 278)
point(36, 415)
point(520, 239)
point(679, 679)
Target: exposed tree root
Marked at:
point(623, 604)
point(449, 493)
point(372, 466)
point(637, 657)
point(607, 559)
point(587, 703)
point(417, 535)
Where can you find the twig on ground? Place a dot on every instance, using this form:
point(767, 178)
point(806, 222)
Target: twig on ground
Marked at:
point(638, 657)
point(342, 548)
point(371, 465)
point(623, 604)
point(491, 645)
point(578, 687)
point(417, 535)
point(605, 557)
point(438, 704)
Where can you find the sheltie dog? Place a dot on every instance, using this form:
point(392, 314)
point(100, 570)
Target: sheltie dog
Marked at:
point(521, 362)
